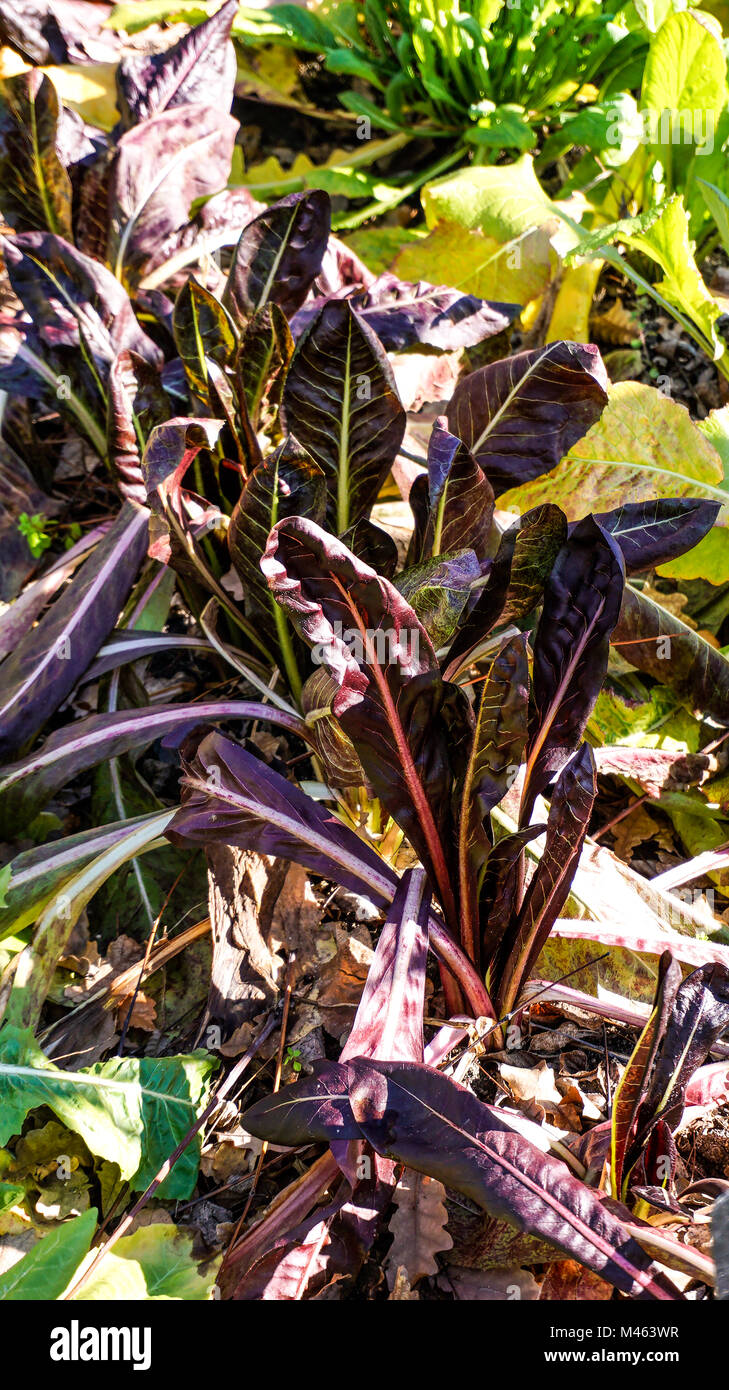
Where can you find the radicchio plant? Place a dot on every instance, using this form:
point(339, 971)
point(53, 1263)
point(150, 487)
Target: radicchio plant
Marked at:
point(249, 420)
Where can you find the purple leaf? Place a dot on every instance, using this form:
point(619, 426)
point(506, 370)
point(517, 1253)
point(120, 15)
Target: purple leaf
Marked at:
point(200, 67)
point(17, 619)
point(306, 1259)
point(203, 336)
point(637, 1073)
point(335, 750)
point(403, 314)
point(78, 317)
point(287, 483)
point(516, 579)
point(521, 415)
point(652, 533)
point(419, 1117)
point(391, 698)
point(340, 397)
point(137, 403)
point(415, 1115)
point(317, 1107)
point(161, 167)
point(265, 352)
point(73, 299)
point(500, 891)
point(229, 795)
point(26, 785)
point(171, 449)
point(569, 815)
point(460, 499)
point(582, 601)
point(496, 752)
point(698, 1017)
point(279, 255)
point(372, 545)
point(49, 661)
point(58, 31)
point(389, 1019)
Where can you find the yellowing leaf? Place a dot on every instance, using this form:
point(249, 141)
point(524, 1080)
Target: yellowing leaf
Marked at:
point(272, 71)
point(89, 89)
point(344, 174)
point(571, 312)
point(510, 271)
point(155, 1262)
point(502, 201)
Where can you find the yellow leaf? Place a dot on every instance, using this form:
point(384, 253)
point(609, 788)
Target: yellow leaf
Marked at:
point(89, 89)
point(571, 312)
point(514, 271)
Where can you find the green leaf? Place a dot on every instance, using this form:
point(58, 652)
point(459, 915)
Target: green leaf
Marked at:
point(31, 879)
point(612, 128)
point(155, 1262)
point(47, 1269)
point(716, 429)
point(10, 1194)
point(684, 77)
point(668, 243)
point(506, 127)
point(438, 590)
point(34, 971)
point(718, 205)
point(130, 1110)
point(141, 13)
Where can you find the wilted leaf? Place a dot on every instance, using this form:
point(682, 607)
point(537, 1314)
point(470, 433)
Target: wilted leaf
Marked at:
point(418, 1227)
